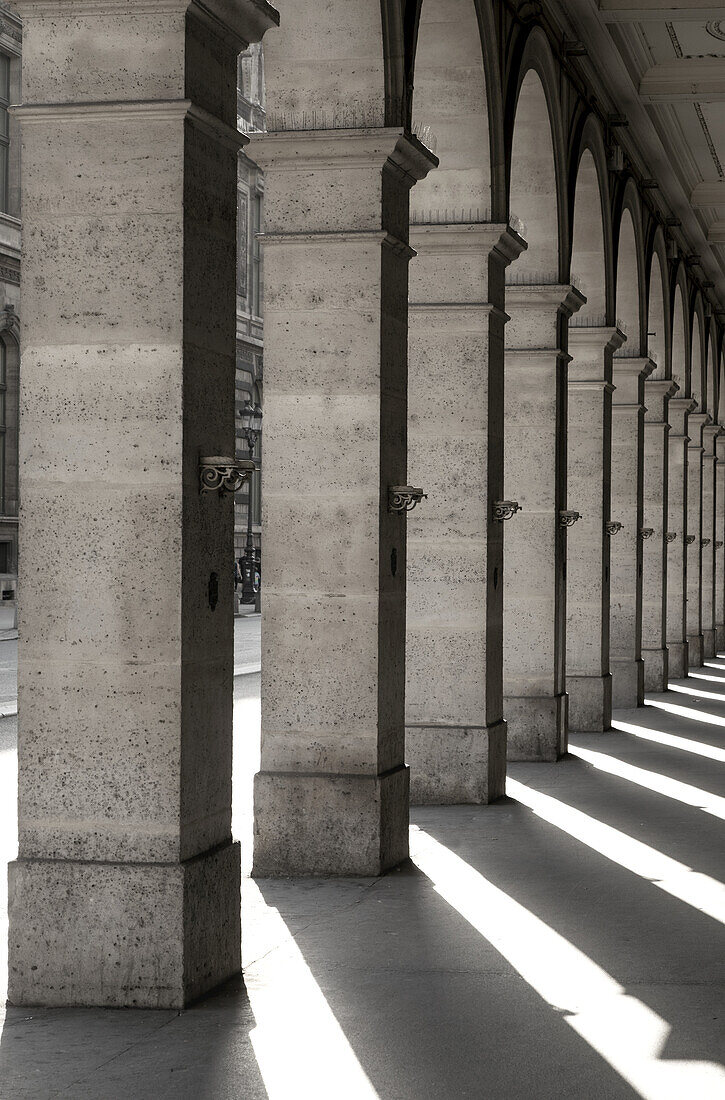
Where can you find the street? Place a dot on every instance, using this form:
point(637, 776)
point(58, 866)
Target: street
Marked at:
point(247, 642)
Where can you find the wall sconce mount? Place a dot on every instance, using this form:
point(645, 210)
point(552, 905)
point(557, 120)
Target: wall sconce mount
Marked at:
point(224, 475)
point(403, 498)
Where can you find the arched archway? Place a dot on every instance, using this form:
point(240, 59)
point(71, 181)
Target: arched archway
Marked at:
point(535, 420)
point(455, 739)
point(679, 409)
point(591, 343)
point(659, 389)
point(696, 467)
point(629, 372)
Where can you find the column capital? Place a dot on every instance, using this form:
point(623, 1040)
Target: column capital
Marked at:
point(628, 373)
point(710, 434)
point(596, 336)
point(720, 447)
point(331, 150)
point(695, 424)
point(539, 296)
point(657, 394)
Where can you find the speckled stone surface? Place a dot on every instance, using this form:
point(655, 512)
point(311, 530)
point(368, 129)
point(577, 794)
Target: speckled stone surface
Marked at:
point(677, 479)
point(126, 658)
point(332, 793)
point(654, 552)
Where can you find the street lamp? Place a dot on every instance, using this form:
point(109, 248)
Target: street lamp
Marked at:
point(252, 428)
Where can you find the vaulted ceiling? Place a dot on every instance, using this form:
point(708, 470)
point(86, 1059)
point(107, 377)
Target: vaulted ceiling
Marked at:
point(662, 64)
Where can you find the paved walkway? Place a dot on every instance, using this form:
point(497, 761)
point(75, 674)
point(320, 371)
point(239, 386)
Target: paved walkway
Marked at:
point(566, 942)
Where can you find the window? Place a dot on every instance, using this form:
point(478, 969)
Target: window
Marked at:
point(4, 129)
point(5, 557)
point(257, 269)
point(3, 401)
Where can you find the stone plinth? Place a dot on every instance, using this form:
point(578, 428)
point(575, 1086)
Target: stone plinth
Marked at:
point(535, 539)
point(654, 551)
point(332, 793)
point(627, 666)
point(455, 733)
point(589, 473)
point(126, 889)
point(678, 411)
point(695, 641)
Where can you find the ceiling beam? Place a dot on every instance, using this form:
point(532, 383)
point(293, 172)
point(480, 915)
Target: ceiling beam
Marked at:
point(642, 11)
point(716, 233)
point(700, 79)
point(709, 193)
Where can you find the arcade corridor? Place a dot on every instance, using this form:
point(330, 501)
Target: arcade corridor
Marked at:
point(566, 942)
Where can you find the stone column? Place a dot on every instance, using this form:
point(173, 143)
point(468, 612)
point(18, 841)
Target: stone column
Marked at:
point(126, 889)
point(720, 543)
point(695, 640)
point(535, 421)
point(709, 436)
point(589, 476)
point(332, 793)
point(455, 733)
point(677, 648)
point(657, 394)
point(626, 545)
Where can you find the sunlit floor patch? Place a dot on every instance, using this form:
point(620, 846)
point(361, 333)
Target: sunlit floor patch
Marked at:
point(625, 1032)
point(653, 781)
point(671, 740)
point(685, 712)
point(680, 881)
point(706, 676)
point(699, 693)
point(300, 1047)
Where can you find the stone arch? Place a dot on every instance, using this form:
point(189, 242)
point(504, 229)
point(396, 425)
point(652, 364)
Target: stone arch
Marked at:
point(450, 98)
point(536, 168)
point(698, 353)
point(629, 246)
point(680, 328)
point(591, 250)
point(658, 307)
point(711, 388)
point(455, 63)
point(354, 54)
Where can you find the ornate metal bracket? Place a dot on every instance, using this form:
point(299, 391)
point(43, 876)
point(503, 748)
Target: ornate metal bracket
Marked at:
point(403, 498)
point(505, 509)
point(224, 475)
point(670, 536)
point(613, 527)
point(719, 544)
point(704, 542)
point(646, 532)
point(689, 539)
point(568, 518)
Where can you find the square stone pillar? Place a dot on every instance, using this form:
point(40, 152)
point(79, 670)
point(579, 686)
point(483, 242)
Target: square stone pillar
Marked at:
point(627, 666)
point(589, 476)
point(678, 410)
point(535, 419)
point(720, 543)
point(332, 793)
point(126, 889)
point(709, 436)
point(693, 539)
point(455, 733)
point(657, 394)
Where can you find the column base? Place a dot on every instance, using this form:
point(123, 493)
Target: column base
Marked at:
point(590, 703)
point(452, 765)
point(696, 653)
point(627, 682)
point(708, 644)
point(720, 638)
point(678, 660)
point(123, 935)
point(656, 669)
point(537, 726)
point(326, 824)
